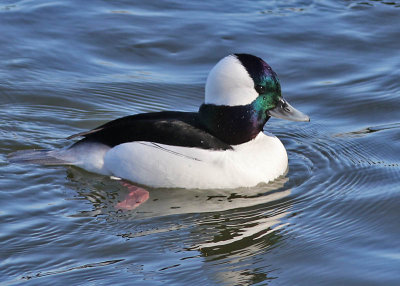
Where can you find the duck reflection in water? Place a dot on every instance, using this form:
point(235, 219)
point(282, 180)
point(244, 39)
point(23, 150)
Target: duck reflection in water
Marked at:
point(224, 227)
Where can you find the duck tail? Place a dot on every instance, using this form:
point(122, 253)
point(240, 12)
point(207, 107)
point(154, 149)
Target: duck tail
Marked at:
point(41, 156)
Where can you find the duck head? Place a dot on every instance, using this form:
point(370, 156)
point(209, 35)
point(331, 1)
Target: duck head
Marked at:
point(242, 92)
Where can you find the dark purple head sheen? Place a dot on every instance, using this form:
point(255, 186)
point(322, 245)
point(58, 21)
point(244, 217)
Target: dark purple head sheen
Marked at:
point(232, 124)
point(257, 68)
point(239, 124)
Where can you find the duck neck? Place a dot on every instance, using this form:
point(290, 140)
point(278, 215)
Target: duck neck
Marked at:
point(232, 124)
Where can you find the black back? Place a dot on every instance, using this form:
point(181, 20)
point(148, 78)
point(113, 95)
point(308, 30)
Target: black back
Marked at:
point(167, 127)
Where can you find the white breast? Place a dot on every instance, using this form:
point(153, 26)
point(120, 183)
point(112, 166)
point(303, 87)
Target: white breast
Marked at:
point(260, 160)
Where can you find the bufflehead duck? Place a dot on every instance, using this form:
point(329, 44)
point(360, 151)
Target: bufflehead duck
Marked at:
point(220, 146)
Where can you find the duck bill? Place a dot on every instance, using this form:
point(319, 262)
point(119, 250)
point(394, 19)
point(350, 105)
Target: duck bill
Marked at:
point(284, 110)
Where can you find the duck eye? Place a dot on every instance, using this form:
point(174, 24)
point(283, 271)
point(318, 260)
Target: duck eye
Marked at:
point(260, 89)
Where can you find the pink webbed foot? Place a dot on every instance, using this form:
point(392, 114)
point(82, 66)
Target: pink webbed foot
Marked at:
point(135, 198)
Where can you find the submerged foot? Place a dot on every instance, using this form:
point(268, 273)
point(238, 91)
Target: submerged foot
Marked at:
point(135, 198)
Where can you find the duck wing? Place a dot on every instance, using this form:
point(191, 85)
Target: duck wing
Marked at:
point(167, 127)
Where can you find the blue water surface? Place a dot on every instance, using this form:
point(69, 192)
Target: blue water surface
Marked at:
point(333, 219)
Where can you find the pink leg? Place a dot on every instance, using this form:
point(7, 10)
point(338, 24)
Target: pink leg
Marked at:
point(135, 198)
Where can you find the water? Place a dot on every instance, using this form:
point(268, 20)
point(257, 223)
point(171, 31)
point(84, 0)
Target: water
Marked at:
point(333, 219)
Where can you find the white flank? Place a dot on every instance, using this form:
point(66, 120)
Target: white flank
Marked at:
point(260, 160)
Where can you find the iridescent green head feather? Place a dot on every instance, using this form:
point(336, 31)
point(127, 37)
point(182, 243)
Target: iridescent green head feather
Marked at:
point(269, 101)
point(242, 92)
point(266, 82)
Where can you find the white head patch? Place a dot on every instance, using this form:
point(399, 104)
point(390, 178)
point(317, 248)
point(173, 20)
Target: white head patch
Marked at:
point(228, 83)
